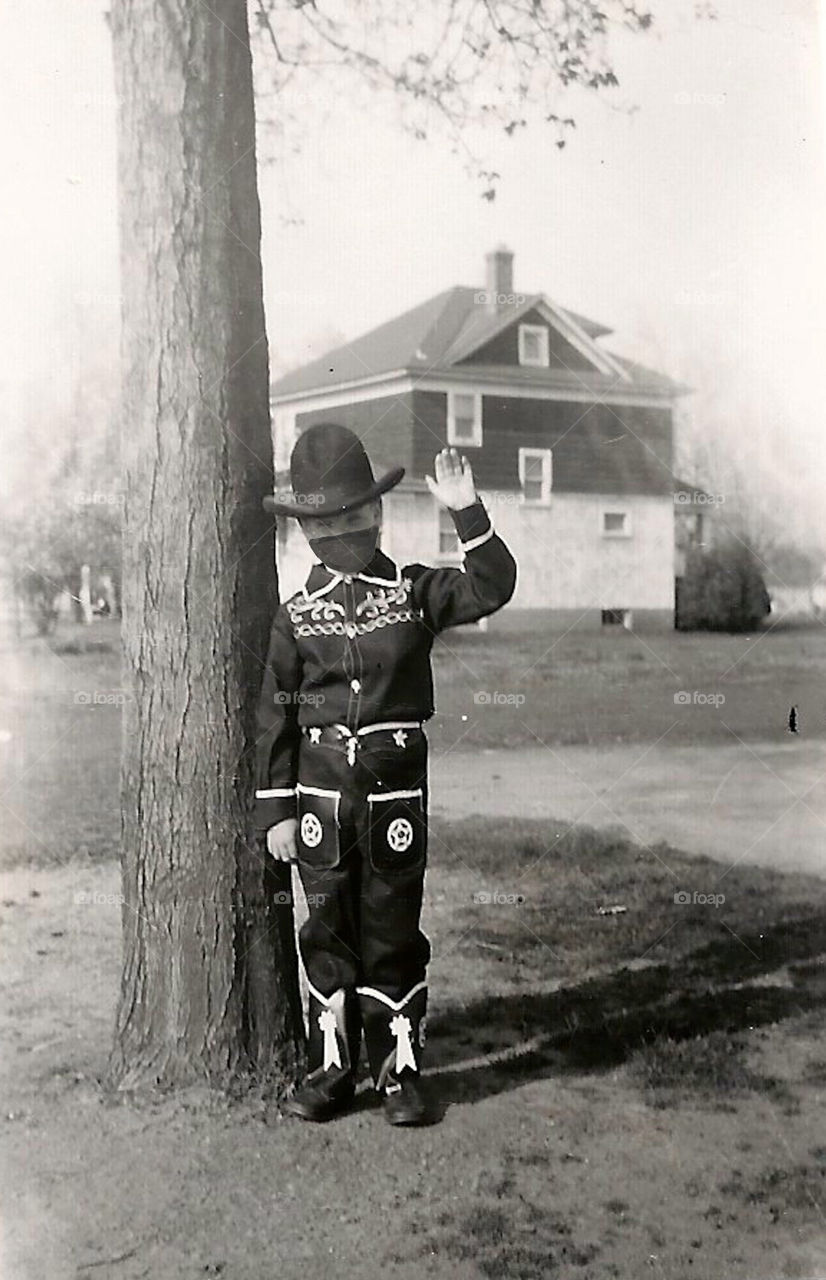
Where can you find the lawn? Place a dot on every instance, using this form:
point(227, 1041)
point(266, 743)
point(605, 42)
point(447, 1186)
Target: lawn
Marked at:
point(628, 1040)
point(637, 1093)
point(614, 686)
point(61, 716)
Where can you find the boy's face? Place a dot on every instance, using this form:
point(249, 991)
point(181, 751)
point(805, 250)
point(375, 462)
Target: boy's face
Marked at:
point(346, 542)
point(366, 517)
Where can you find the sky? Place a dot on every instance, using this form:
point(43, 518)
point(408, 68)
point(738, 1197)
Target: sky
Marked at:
point(686, 213)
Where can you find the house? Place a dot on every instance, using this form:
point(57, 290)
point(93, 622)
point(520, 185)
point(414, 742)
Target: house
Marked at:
point(571, 447)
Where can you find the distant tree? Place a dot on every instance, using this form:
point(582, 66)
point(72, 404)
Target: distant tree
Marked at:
point(45, 544)
point(796, 566)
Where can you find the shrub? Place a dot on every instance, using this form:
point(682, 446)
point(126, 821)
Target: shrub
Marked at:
point(722, 590)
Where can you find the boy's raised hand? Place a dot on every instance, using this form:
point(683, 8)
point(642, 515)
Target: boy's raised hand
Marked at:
point(453, 486)
point(281, 840)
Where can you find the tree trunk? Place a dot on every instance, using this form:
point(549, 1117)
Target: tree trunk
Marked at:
point(209, 990)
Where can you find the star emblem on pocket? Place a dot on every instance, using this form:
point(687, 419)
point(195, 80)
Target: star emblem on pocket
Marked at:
point(400, 738)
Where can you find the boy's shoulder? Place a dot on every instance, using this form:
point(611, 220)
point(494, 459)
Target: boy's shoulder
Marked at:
point(414, 571)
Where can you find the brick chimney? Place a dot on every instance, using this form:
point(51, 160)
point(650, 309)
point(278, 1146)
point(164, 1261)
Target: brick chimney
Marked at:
point(499, 277)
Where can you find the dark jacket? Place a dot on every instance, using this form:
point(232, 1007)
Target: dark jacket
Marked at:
point(355, 649)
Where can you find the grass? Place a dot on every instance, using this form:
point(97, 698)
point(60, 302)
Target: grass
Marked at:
point(60, 787)
point(710, 1071)
point(667, 990)
point(59, 797)
point(532, 890)
point(612, 686)
point(581, 1048)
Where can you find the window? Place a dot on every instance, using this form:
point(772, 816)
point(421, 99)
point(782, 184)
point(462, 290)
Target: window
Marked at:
point(448, 537)
point(535, 475)
point(616, 618)
point(616, 524)
point(533, 345)
point(464, 418)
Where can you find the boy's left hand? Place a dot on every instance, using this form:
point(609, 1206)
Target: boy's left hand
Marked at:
point(453, 486)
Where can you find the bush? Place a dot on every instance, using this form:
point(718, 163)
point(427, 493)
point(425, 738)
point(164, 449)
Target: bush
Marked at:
point(722, 590)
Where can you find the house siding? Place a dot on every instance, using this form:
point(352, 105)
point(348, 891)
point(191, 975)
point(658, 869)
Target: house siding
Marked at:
point(504, 348)
point(385, 425)
point(566, 562)
point(568, 571)
point(597, 448)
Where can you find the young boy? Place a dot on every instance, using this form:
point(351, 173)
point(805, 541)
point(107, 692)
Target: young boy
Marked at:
point(342, 766)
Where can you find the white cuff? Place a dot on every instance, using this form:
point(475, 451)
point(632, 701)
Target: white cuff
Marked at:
point(477, 542)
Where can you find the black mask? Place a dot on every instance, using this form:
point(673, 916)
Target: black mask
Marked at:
point(347, 552)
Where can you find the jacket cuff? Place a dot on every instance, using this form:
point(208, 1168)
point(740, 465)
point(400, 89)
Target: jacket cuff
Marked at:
point(273, 805)
point(472, 525)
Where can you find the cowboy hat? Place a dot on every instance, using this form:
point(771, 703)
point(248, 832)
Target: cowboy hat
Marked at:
point(330, 472)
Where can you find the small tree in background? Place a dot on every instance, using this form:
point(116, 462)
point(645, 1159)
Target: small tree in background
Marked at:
point(722, 590)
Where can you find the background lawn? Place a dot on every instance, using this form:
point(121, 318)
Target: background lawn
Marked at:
point(60, 716)
point(614, 686)
point(631, 1092)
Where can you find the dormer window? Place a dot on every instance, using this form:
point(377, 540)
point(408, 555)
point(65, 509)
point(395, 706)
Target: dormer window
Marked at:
point(464, 418)
point(533, 345)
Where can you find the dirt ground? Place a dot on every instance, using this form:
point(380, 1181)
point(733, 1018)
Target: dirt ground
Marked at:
point(631, 1094)
point(562, 1153)
point(755, 802)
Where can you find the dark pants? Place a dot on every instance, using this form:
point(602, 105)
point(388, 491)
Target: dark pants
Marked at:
point(362, 845)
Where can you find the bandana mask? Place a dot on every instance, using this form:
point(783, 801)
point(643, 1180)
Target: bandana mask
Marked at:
point(347, 552)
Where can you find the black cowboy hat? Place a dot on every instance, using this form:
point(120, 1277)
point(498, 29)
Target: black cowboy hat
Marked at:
point(330, 472)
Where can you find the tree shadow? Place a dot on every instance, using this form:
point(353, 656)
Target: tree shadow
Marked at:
point(507, 1041)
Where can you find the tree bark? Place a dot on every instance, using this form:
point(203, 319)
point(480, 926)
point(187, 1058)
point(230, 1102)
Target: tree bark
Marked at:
point(209, 990)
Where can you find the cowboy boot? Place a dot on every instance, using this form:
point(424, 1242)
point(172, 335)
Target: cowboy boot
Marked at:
point(394, 1031)
point(334, 1043)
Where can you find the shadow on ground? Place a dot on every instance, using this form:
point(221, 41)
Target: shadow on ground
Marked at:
point(727, 985)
